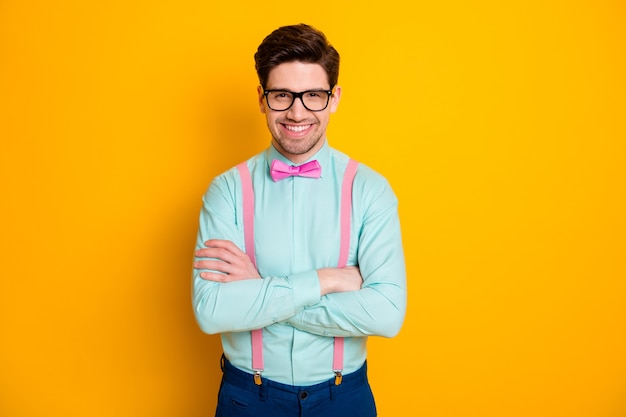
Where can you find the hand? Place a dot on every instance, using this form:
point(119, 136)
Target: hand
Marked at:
point(339, 279)
point(228, 259)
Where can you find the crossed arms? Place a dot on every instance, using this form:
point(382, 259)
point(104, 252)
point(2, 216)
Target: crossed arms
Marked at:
point(232, 264)
point(229, 294)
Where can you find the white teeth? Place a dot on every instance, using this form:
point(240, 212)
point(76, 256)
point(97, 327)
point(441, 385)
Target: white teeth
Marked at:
point(296, 128)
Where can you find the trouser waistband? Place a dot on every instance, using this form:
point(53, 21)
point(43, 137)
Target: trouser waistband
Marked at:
point(269, 388)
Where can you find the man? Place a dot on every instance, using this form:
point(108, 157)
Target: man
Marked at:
point(315, 312)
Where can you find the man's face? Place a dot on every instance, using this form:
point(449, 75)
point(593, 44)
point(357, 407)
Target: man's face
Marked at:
point(298, 133)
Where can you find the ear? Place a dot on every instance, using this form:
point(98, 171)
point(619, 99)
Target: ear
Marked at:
point(259, 91)
point(334, 99)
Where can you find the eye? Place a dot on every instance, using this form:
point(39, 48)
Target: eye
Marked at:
point(314, 94)
point(280, 95)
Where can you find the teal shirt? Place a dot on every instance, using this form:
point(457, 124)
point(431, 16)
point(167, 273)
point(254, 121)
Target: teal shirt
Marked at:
point(296, 228)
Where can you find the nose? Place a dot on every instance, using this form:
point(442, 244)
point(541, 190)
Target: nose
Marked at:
point(297, 111)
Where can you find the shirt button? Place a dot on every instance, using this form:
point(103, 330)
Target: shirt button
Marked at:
point(303, 395)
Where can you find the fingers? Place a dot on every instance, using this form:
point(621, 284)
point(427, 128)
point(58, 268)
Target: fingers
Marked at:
point(214, 265)
point(220, 249)
point(227, 261)
point(226, 245)
point(212, 276)
point(223, 262)
point(218, 253)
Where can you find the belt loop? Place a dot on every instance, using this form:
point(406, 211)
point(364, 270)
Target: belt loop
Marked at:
point(222, 360)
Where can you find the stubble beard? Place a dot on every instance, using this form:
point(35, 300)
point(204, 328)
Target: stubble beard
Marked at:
point(297, 146)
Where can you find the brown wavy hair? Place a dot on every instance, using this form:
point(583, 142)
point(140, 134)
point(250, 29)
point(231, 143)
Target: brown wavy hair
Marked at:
point(292, 43)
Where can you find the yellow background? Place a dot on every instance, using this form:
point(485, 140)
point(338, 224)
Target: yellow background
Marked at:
point(501, 126)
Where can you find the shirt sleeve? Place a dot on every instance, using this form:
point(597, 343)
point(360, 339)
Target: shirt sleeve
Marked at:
point(247, 304)
point(378, 309)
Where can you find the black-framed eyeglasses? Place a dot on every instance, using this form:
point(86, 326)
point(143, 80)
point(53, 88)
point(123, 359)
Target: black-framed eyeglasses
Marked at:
point(312, 100)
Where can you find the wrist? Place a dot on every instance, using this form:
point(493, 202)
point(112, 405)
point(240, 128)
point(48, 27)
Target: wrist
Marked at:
point(326, 281)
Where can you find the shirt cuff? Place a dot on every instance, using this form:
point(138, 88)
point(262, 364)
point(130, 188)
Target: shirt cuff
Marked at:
point(306, 289)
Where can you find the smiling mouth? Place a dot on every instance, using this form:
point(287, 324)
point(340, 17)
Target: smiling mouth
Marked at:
point(296, 128)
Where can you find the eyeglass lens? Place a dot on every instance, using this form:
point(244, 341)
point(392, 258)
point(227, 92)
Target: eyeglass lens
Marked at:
point(283, 100)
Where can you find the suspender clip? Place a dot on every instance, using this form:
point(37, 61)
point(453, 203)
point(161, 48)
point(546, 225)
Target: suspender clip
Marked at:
point(257, 378)
point(338, 377)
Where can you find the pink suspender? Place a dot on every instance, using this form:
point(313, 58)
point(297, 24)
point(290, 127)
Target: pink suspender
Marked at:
point(248, 226)
point(346, 211)
point(248, 232)
point(248, 210)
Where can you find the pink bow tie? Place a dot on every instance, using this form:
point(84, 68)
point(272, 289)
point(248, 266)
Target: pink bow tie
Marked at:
point(280, 170)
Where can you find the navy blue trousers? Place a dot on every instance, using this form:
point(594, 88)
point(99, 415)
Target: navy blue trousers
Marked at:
point(239, 396)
